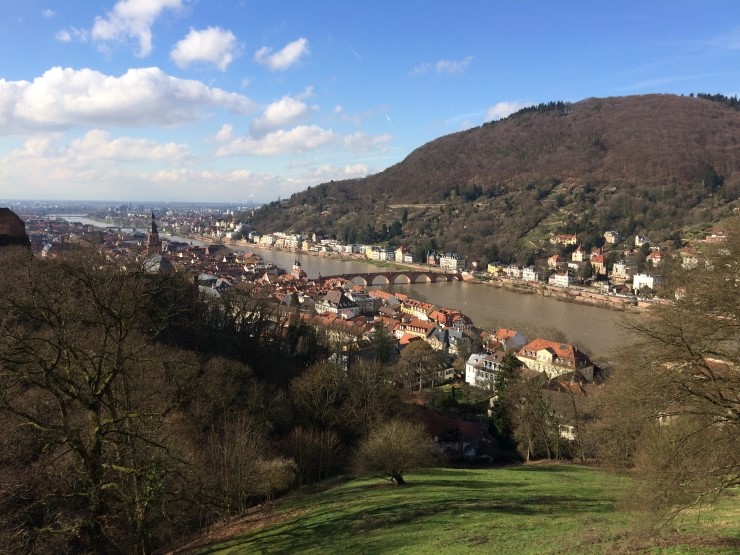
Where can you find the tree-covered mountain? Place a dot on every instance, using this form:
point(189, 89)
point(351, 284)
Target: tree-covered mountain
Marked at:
point(661, 165)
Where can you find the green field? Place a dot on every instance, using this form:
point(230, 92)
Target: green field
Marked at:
point(527, 509)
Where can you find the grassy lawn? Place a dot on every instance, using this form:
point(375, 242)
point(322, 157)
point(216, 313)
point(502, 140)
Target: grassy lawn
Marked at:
point(538, 509)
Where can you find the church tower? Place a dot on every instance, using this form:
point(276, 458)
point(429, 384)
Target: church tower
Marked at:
point(153, 243)
point(298, 272)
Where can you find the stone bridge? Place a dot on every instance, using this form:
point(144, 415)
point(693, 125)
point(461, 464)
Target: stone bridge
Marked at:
point(399, 277)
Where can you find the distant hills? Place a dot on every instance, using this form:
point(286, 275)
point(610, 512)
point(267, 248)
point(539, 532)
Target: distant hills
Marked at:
point(662, 165)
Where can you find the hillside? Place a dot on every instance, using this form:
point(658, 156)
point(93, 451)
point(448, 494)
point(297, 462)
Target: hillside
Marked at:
point(526, 509)
point(661, 165)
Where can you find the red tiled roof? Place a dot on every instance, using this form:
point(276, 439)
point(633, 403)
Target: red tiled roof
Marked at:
point(503, 334)
point(561, 350)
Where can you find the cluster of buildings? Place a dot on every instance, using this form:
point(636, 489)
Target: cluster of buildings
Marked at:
point(614, 271)
point(542, 356)
point(448, 262)
point(349, 313)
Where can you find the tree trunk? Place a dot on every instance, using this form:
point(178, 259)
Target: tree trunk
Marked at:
point(398, 478)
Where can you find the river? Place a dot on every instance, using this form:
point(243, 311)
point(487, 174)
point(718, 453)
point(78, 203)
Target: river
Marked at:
point(597, 331)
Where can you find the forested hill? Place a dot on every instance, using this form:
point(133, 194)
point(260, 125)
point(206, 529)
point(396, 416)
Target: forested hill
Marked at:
point(662, 165)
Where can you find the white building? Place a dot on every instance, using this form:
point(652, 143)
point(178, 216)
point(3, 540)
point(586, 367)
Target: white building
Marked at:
point(646, 280)
point(562, 280)
point(641, 240)
point(451, 262)
point(530, 274)
point(622, 269)
point(480, 369)
point(512, 271)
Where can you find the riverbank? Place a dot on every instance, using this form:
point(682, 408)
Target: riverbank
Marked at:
point(567, 295)
point(570, 295)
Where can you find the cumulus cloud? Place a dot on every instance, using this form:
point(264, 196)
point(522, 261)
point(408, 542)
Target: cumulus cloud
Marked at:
point(233, 185)
point(298, 139)
point(212, 45)
point(48, 13)
point(94, 147)
point(326, 172)
point(87, 167)
point(444, 67)
point(97, 145)
point(132, 19)
point(284, 58)
point(63, 98)
point(504, 109)
point(359, 141)
point(225, 133)
point(71, 34)
point(281, 113)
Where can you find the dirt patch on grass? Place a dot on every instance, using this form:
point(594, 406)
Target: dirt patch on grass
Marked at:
point(256, 518)
point(628, 543)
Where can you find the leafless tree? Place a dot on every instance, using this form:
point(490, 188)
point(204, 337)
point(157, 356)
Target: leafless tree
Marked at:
point(675, 402)
point(393, 449)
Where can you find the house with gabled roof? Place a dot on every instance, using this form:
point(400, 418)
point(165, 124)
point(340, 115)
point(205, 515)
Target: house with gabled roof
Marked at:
point(555, 359)
point(509, 339)
point(416, 309)
point(418, 328)
point(655, 257)
point(336, 302)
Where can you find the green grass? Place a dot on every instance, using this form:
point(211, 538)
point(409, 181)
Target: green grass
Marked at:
point(558, 509)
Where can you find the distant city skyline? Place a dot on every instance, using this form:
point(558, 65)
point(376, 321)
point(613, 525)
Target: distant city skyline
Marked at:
point(252, 100)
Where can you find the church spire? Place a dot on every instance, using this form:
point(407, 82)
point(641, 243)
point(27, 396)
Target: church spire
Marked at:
point(153, 243)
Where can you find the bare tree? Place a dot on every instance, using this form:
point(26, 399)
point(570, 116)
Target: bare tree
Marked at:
point(676, 398)
point(534, 428)
point(419, 363)
point(83, 381)
point(317, 453)
point(372, 396)
point(394, 448)
point(320, 394)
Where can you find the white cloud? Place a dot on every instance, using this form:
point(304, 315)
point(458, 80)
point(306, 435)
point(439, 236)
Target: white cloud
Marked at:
point(504, 109)
point(281, 113)
point(48, 13)
point(212, 45)
point(96, 145)
point(71, 34)
point(91, 166)
point(132, 19)
point(299, 139)
point(359, 141)
point(444, 67)
point(326, 172)
point(233, 185)
point(284, 58)
point(63, 98)
point(225, 133)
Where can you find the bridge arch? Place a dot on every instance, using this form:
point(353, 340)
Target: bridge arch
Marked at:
point(423, 278)
point(380, 279)
point(401, 279)
point(359, 280)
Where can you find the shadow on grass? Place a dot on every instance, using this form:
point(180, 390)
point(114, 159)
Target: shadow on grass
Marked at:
point(349, 517)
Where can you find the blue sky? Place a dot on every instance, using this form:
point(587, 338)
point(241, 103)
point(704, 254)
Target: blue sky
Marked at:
point(236, 100)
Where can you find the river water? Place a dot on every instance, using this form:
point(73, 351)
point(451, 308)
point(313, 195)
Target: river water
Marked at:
point(599, 332)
